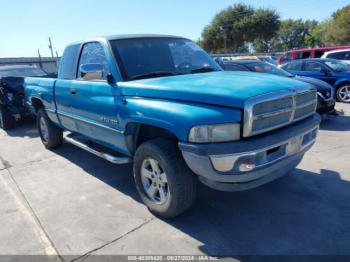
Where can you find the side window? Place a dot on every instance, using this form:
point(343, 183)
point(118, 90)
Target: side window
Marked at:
point(93, 53)
point(340, 55)
point(67, 68)
point(296, 66)
point(313, 66)
point(302, 55)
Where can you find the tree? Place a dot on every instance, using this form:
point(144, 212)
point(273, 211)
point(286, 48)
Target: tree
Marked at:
point(339, 30)
point(293, 34)
point(235, 27)
point(318, 33)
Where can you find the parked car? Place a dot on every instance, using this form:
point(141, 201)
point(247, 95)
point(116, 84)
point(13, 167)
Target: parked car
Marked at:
point(12, 106)
point(162, 103)
point(305, 53)
point(342, 54)
point(332, 71)
point(326, 101)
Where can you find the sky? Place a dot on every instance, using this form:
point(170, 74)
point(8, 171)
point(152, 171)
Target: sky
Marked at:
point(26, 25)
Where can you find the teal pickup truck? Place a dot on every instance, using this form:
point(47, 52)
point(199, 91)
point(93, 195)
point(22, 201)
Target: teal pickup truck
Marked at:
point(162, 103)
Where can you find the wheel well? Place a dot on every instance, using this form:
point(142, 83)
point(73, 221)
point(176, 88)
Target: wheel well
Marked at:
point(136, 134)
point(342, 84)
point(37, 104)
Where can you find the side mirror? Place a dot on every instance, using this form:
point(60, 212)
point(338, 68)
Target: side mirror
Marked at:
point(91, 71)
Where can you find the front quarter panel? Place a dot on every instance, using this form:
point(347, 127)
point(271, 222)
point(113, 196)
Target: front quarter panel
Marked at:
point(176, 116)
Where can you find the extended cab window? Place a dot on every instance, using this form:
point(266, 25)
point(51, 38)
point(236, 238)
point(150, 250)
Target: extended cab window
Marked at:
point(93, 54)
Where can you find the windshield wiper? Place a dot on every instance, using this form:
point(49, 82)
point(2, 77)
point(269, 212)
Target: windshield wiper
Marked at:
point(203, 69)
point(153, 74)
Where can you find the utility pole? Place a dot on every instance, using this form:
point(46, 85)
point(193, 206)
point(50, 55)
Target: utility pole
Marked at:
point(51, 49)
point(40, 62)
point(50, 46)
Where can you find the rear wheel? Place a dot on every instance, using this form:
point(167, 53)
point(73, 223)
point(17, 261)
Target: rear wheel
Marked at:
point(51, 135)
point(6, 119)
point(163, 180)
point(343, 93)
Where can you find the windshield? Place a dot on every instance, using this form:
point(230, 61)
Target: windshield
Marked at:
point(22, 72)
point(338, 66)
point(155, 57)
point(267, 68)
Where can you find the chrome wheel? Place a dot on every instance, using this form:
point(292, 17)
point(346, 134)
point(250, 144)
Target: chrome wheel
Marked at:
point(44, 131)
point(344, 94)
point(154, 181)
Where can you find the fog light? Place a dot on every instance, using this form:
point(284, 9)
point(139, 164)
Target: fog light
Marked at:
point(246, 166)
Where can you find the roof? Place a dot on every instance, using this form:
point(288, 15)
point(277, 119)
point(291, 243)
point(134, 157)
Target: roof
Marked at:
point(318, 48)
point(337, 51)
point(128, 36)
point(314, 59)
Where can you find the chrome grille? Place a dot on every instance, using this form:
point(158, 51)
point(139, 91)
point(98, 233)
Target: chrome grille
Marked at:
point(270, 111)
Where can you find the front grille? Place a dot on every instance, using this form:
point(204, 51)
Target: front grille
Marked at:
point(271, 111)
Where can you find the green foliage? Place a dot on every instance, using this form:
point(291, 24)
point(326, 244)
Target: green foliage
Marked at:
point(235, 27)
point(294, 34)
point(239, 26)
point(339, 30)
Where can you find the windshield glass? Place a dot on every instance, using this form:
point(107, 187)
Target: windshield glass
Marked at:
point(267, 68)
point(155, 57)
point(338, 66)
point(22, 72)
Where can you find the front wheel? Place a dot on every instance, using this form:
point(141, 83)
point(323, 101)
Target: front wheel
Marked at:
point(343, 94)
point(6, 119)
point(51, 135)
point(163, 180)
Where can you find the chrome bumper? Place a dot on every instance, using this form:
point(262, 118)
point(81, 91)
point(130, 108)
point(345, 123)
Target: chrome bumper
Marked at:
point(248, 163)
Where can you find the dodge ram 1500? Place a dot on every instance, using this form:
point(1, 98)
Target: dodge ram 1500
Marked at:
point(162, 103)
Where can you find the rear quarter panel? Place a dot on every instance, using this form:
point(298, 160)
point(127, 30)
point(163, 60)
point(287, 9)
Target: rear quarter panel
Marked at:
point(42, 89)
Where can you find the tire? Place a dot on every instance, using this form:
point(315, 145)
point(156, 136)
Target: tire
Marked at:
point(343, 93)
point(6, 119)
point(181, 183)
point(51, 135)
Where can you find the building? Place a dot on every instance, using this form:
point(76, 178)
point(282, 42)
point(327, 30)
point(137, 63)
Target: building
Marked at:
point(49, 64)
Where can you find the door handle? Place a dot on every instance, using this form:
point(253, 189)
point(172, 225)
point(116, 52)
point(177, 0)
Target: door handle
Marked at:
point(73, 92)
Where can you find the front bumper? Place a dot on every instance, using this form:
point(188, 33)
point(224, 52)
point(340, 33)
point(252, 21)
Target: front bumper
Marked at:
point(252, 161)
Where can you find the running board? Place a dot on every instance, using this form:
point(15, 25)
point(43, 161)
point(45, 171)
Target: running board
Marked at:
point(106, 156)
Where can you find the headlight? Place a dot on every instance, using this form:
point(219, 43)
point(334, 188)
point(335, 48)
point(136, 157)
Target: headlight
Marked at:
point(215, 133)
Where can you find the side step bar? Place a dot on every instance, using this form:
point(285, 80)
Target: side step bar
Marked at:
point(106, 156)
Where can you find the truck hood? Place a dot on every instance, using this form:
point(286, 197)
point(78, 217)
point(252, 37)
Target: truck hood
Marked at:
point(222, 88)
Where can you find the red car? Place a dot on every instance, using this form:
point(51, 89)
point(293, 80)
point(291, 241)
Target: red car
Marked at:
point(306, 53)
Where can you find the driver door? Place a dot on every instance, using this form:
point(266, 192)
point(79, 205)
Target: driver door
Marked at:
point(96, 104)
